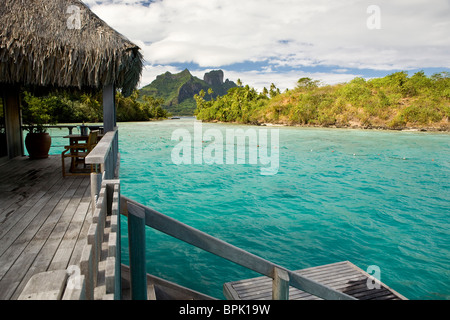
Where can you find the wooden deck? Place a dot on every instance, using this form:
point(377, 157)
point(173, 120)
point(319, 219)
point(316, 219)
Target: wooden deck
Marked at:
point(44, 220)
point(342, 276)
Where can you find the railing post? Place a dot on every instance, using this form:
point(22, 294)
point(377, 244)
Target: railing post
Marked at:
point(280, 284)
point(96, 181)
point(116, 212)
point(136, 238)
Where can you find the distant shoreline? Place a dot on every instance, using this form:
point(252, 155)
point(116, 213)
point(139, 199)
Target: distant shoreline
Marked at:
point(380, 128)
point(396, 102)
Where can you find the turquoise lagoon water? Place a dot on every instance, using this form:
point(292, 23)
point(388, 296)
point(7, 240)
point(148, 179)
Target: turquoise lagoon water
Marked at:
point(371, 197)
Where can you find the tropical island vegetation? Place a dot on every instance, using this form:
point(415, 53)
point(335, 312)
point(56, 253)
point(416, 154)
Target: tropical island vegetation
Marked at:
point(75, 107)
point(396, 101)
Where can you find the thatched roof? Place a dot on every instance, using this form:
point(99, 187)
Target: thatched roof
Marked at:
point(40, 45)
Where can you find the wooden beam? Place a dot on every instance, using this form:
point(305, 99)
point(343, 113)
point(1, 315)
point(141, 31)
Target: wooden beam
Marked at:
point(109, 108)
point(14, 137)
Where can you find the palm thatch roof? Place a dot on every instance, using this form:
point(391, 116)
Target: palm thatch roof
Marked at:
point(53, 44)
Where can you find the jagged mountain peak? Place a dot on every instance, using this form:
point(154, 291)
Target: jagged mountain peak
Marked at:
point(178, 89)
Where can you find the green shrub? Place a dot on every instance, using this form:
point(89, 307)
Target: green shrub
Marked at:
point(391, 101)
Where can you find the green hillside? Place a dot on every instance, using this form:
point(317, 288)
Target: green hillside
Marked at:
point(397, 101)
point(178, 90)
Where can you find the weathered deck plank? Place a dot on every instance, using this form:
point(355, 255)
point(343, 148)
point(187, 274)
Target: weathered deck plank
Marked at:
point(29, 202)
point(342, 276)
point(74, 224)
point(25, 228)
point(47, 254)
point(18, 182)
point(44, 219)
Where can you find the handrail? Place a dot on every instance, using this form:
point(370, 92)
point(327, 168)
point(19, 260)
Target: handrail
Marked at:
point(105, 154)
point(70, 127)
point(225, 250)
point(103, 246)
point(105, 160)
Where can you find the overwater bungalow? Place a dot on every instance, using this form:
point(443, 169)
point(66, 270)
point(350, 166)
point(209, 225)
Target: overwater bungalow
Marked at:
point(60, 237)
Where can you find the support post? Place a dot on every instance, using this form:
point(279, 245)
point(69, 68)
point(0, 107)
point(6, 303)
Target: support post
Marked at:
point(136, 238)
point(109, 108)
point(14, 137)
point(280, 284)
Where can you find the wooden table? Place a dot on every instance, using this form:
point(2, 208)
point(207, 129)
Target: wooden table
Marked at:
point(77, 139)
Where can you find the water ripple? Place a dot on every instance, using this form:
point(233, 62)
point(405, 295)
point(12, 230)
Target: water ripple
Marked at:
point(371, 197)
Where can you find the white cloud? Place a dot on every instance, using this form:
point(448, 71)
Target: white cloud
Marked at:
point(288, 33)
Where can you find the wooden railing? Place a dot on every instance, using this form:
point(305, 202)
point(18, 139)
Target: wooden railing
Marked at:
point(58, 136)
point(97, 275)
point(140, 216)
point(100, 266)
point(105, 155)
point(70, 127)
point(107, 202)
point(105, 158)
point(58, 141)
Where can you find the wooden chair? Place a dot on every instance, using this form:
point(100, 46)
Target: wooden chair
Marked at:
point(78, 153)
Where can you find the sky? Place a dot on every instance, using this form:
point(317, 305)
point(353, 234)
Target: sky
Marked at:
point(280, 41)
